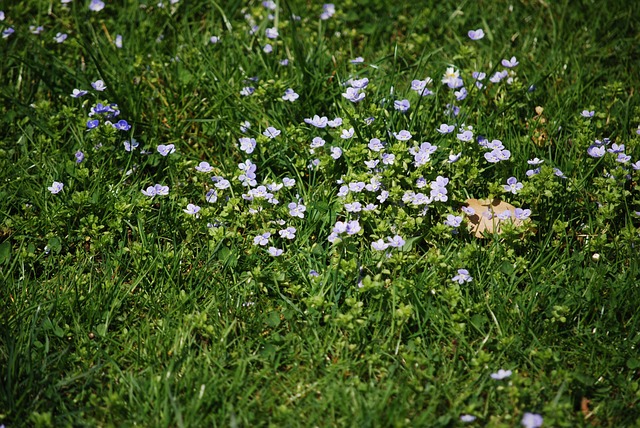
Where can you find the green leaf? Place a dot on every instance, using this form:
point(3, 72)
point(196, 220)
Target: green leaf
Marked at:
point(5, 252)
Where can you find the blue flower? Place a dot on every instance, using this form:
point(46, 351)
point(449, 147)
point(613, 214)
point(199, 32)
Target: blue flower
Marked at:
point(354, 95)
point(501, 374)
point(56, 187)
point(290, 95)
point(317, 121)
point(531, 420)
point(462, 277)
point(77, 93)
point(99, 85)
point(93, 123)
point(510, 63)
point(402, 105)
point(476, 34)
point(192, 209)
point(122, 125)
point(513, 185)
point(79, 156)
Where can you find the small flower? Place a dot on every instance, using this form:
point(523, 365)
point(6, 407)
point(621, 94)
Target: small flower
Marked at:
point(501, 374)
point(2, 15)
point(131, 145)
point(267, 48)
point(317, 142)
point(275, 252)
point(335, 122)
point(476, 34)
point(192, 209)
point(402, 105)
point(214, 39)
point(328, 10)
point(161, 190)
point(204, 167)
point(296, 210)
point(347, 133)
point(397, 241)
point(513, 185)
point(510, 63)
point(165, 150)
point(149, 191)
point(288, 233)
point(465, 136)
point(122, 125)
point(271, 132)
point(59, 38)
point(271, 33)
point(461, 94)
point(379, 245)
point(358, 83)
point(467, 418)
point(93, 123)
point(211, 196)
point(247, 145)
point(284, 62)
point(375, 144)
point(77, 93)
point(623, 158)
point(288, 182)
point(522, 214)
point(559, 173)
point(445, 129)
point(452, 78)
point(317, 121)
point(531, 420)
point(36, 30)
point(96, 5)
point(262, 239)
point(453, 158)
point(357, 60)
point(336, 152)
point(79, 156)
point(247, 90)
point(453, 220)
point(290, 95)
point(99, 85)
point(403, 135)
point(462, 277)
point(56, 187)
point(354, 95)
point(118, 41)
point(587, 113)
point(535, 161)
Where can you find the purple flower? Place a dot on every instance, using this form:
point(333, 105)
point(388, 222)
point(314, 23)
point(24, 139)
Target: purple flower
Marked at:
point(247, 145)
point(221, 183)
point(420, 86)
point(192, 209)
point(461, 94)
point(211, 196)
point(402, 105)
point(445, 129)
point(453, 158)
point(636, 166)
point(510, 63)
point(77, 93)
point(275, 252)
point(267, 48)
point(465, 136)
point(468, 210)
point(497, 155)
point(271, 5)
point(271, 33)
point(59, 38)
point(467, 418)
point(532, 172)
point(271, 132)
point(347, 133)
point(535, 161)
point(262, 239)
point(403, 135)
point(36, 30)
point(79, 156)
point(56, 187)
point(462, 277)
point(96, 5)
point(375, 144)
point(616, 148)
point(317, 142)
point(165, 150)
point(290, 95)
point(379, 245)
point(328, 10)
point(214, 39)
point(118, 41)
point(93, 123)
point(2, 15)
point(161, 190)
point(149, 191)
point(358, 83)
point(131, 145)
point(587, 113)
point(204, 167)
point(352, 227)
point(336, 152)
point(452, 78)
point(335, 122)
point(288, 182)
point(559, 173)
point(288, 233)
point(513, 185)
point(397, 241)
point(296, 210)
point(122, 125)
point(622, 158)
point(99, 85)
point(247, 90)
point(453, 220)
point(317, 121)
point(501, 374)
point(354, 95)
point(498, 76)
point(476, 34)
point(357, 60)
point(452, 110)
point(522, 214)
point(531, 420)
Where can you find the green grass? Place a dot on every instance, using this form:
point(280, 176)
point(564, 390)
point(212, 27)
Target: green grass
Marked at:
point(119, 309)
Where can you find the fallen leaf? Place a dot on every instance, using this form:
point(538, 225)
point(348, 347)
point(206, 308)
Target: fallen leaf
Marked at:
point(485, 217)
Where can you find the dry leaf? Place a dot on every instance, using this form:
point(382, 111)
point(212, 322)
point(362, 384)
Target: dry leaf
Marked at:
point(540, 135)
point(485, 218)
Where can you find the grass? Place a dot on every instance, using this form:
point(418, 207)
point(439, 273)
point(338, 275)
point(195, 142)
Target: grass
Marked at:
point(121, 309)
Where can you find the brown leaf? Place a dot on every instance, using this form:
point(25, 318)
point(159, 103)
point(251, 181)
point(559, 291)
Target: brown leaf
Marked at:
point(485, 218)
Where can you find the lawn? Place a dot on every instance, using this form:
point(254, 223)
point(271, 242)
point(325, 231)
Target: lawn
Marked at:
point(289, 213)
